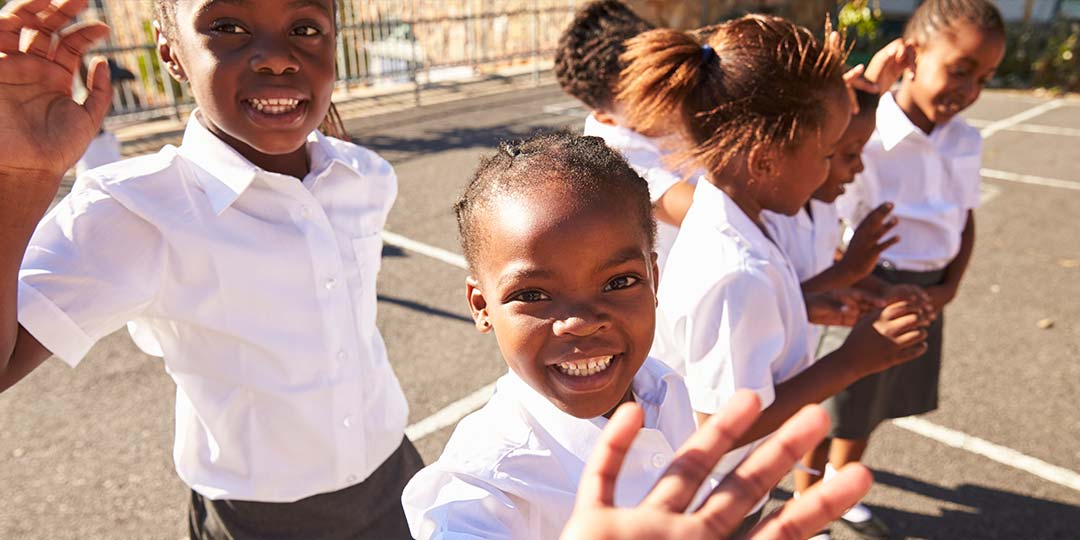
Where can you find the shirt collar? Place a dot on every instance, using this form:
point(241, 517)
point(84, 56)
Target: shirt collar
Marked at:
point(225, 174)
point(728, 214)
point(893, 126)
point(579, 435)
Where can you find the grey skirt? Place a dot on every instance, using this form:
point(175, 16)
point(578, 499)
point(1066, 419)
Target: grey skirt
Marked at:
point(370, 510)
point(904, 390)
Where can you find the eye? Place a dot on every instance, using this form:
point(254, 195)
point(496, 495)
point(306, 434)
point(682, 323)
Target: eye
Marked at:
point(621, 282)
point(226, 27)
point(306, 30)
point(529, 297)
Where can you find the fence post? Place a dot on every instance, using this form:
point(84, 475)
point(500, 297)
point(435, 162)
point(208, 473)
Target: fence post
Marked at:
point(536, 43)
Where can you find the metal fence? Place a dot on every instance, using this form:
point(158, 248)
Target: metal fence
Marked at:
point(380, 43)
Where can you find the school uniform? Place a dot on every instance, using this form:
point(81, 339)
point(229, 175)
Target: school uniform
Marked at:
point(258, 290)
point(511, 469)
point(646, 157)
point(731, 313)
point(933, 182)
point(809, 240)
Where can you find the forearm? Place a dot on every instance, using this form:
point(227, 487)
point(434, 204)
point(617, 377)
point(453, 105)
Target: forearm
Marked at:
point(954, 272)
point(873, 285)
point(22, 203)
point(830, 279)
point(672, 206)
point(825, 378)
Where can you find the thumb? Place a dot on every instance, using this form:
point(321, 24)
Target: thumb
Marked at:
point(100, 96)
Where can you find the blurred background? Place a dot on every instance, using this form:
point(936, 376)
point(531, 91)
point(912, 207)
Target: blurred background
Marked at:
point(414, 45)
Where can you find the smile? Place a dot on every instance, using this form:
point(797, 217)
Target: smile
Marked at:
point(585, 368)
point(274, 106)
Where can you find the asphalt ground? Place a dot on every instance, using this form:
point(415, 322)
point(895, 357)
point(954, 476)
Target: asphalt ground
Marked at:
point(86, 453)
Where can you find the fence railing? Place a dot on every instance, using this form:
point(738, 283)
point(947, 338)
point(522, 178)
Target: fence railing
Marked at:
point(380, 42)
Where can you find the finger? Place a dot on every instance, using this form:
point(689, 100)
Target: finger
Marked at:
point(75, 41)
point(37, 43)
point(99, 99)
point(898, 309)
point(854, 73)
point(910, 353)
point(10, 32)
point(813, 510)
point(61, 14)
point(912, 338)
point(860, 83)
point(881, 247)
point(597, 485)
point(763, 469)
point(27, 11)
point(695, 460)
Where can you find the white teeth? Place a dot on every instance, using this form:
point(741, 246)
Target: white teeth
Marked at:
point(584, 368)
point(275, 105)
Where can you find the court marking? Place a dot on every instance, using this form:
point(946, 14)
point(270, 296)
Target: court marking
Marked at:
point(1021, 117)
point(454, 412)
point(1029, 179)
point(1038, 129)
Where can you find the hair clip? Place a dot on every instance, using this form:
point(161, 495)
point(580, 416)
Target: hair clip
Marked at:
point(707, 53)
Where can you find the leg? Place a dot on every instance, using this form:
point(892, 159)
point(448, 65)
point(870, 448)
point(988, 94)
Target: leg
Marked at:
point(844, 451)
point(815, 460)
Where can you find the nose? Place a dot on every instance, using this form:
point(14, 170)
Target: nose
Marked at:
point(274, 56)
point(581, 321)
point(858, 164)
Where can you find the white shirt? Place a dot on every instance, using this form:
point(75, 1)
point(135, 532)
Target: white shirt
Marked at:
point(511, 469)
point(259, 291)
point(731, 312)
point(646, 157)
point(103, 149)
point(933, 181)
point(809, 240)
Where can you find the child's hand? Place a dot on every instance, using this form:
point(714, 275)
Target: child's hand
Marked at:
point(44, 130)
point(940, 296)
point(893, 336)
point(913, 294)
point(839, 307)
point(866, 245)
point(889, 63)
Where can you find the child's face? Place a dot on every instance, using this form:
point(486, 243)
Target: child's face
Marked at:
point(261, 71)
point(787, 183)
point(569, 292)
point(951, 69)
point(847, 160)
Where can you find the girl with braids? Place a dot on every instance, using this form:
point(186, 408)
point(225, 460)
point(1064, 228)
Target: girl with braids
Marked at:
point(925, 161)
point(247, 258)
point(760, 106)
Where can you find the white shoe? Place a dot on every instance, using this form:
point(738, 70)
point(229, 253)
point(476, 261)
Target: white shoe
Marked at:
point(823, 535)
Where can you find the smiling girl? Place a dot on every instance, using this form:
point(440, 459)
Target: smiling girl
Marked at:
point(246, 257)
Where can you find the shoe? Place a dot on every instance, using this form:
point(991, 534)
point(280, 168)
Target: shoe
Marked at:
point(870, 529)
point(823, 535)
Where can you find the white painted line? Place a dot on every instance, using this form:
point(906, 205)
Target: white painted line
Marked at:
point(450, 414)
point(1005, 456)
point(448, 257)
point(988, 192)
point(1038, 129)
point(1030, 179)
point(1021, 117)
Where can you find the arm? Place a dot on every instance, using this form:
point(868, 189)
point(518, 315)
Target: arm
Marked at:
point(861, 256)
point(672, 206)
point(44, 133)
point(662, 516)
point(942, 294)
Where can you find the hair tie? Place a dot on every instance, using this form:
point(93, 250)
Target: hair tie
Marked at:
point(512, 150)
point(707, 53)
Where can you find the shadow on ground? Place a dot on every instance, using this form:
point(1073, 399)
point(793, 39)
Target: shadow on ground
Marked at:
point(971, 511)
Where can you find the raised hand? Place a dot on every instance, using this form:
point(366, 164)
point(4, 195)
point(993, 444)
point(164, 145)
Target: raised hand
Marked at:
point(44, 129)
point(866, 246)
point(889, 63)
point(661, 515)
point(892, 336)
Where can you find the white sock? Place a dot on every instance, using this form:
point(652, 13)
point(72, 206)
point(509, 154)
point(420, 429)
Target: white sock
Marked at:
point(856, 514)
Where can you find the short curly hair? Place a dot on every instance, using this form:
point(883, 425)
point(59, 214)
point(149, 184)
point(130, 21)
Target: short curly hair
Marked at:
point(587, 62)
point(934, 16)
point(585, 165)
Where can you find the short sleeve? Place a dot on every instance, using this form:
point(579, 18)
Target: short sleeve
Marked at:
point(441, 505)
point(91, 266)
point(734, 336)
point(650, 165)
point(971, 172)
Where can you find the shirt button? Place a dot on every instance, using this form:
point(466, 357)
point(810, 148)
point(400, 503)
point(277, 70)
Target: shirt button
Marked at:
point(341, 356)
point(305, 212)
point(347, 422)
point(351, 479)
point(331, 283)
point(659, 461)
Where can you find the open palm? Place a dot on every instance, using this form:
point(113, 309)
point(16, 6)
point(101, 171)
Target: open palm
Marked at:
point(45, 130)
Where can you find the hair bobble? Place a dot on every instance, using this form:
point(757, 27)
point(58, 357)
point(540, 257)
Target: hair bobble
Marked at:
point(707, 53)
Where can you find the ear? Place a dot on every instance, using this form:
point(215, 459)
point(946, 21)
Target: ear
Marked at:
point(605, 118)
point(655, 278)
point(761, 162)
point(168, 55)
point(477, 305)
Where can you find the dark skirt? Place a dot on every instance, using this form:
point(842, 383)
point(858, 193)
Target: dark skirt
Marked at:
point(904, 390)
point(370, 510)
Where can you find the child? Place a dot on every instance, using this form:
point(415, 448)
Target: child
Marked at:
point(247, 256)
point(761, 106)
point(958, 44)
point(587, 67)
point(558, 233)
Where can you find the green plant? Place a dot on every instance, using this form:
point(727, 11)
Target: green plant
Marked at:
point(1046, 56)
point(859, 16)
